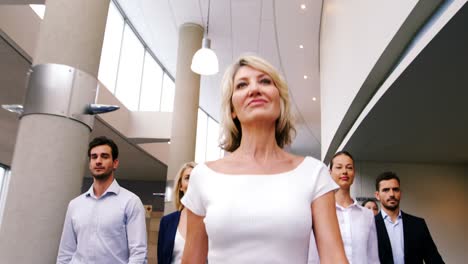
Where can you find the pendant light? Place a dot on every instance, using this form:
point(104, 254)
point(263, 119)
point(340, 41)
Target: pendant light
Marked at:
point(205, 61)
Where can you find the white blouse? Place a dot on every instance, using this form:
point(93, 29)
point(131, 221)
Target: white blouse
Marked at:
point(178, 251)
point(258, 218)
point(358, 231)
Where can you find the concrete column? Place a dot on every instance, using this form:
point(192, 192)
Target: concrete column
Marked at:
point(184, 116)
point(50, 152)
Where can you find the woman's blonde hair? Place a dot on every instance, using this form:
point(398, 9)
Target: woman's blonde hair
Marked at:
point(178, 193)
point(231, 129)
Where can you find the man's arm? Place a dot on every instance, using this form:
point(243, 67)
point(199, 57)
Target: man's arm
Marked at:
point(68, 241)
point(136, 232)
point(430, 252)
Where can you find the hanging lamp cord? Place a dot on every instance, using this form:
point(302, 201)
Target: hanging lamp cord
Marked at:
point(208, 19)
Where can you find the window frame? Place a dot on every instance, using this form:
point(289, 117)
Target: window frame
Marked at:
point(147, 51)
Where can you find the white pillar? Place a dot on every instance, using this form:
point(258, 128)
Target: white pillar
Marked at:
point(50, 152)
point(184, 116)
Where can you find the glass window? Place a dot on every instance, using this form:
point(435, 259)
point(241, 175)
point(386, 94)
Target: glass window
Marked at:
point(4, 178)
point(212, 145)
point(130, 70)
point(111, 48)
point(2, 175)
point(150, 98)
point(168, 91)
point(207, 145)
point(200, 147)
point(39, 10)
point(168, 194)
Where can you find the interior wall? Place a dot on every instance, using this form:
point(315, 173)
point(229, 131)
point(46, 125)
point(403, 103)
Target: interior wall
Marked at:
point(13, 21)
point(13, 70)
point(435, 192)
point(352, 39)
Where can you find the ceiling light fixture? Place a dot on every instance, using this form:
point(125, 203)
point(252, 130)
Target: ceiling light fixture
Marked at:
point(205, 61)
point(301, 46)
point(305, 77)
point(303, 6)
point(314, 99)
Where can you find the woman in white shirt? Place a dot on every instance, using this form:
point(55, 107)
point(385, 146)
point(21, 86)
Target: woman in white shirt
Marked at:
point(257, 204)
point(357, 224)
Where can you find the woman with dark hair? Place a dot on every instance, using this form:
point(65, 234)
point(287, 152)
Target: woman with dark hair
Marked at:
point(357, 224)
point(258, 204)
point(372, 205)
point(173, 227)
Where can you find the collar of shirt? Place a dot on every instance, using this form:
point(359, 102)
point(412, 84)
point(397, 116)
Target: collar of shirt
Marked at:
point(113, 188)
point(354, 204)
point(386, 217)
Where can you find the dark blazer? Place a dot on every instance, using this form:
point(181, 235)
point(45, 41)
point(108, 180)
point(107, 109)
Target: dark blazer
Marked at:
point(418, 242)
point(166, 237)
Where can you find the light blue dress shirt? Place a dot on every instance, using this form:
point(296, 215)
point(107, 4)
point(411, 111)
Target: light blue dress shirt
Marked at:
point(395, 234)
point(110, 229)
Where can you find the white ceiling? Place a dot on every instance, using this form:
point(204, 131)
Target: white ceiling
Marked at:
point(271, 29)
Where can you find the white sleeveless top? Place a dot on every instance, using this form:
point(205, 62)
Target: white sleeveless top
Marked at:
point(178, 251)
point(258, 218)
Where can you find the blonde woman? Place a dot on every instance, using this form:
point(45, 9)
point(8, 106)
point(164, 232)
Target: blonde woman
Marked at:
point(258, 204)
point(173, 227)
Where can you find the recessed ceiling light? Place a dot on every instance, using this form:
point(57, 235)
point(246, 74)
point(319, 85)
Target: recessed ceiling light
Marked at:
point(301, 46)
point(303, 6)
point(169, 142)
point(305, 77)
point(314, 99)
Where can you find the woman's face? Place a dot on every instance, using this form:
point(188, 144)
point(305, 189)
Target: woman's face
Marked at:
point(372, 206)
point(255, 97)
point(342, 171)
point(185, 179)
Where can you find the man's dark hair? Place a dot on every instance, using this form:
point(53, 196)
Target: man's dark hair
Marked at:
point(385, 176)
point(102, 140)
point(343, 152)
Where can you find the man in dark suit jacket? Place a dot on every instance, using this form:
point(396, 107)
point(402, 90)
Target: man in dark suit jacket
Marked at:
point(402, 238)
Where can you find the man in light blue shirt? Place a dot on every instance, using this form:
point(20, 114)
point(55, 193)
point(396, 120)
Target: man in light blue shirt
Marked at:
point(395, 234)
point(106, 224)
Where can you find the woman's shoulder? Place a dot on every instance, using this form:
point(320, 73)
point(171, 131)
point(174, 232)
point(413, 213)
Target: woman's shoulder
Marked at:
point(216, 163)
point(309, 162)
